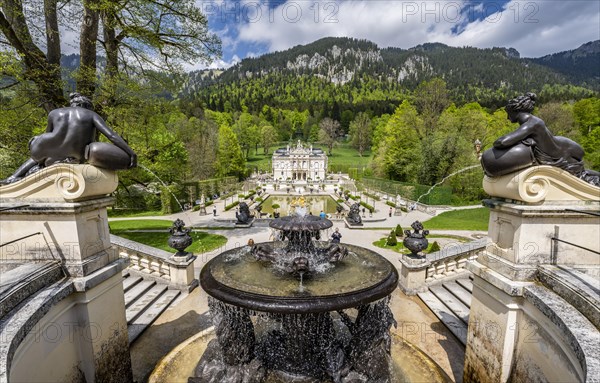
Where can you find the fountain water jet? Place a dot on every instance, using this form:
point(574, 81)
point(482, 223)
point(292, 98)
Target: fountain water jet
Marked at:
point(445, 178)
point(164, 185)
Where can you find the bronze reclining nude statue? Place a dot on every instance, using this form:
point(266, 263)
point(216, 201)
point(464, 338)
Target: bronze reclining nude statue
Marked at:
point(71, 138)
point(533, 144)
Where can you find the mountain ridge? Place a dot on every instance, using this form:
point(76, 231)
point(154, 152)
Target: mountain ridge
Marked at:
point(337, 66)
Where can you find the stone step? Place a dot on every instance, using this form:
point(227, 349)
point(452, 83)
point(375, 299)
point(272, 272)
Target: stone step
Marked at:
point(448, 318)
point(21, 282)
point(125, 273)
point(144, 301)
point(151, 313)
point(460, 292)
point(466, 283)
point(456, 306)
point(130, 281)
point(582, 291)
point(137, 291)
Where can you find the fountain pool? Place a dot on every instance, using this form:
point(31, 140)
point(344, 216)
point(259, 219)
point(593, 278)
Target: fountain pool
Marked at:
point(288, 203)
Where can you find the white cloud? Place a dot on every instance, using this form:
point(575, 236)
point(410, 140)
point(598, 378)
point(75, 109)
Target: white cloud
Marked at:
point(215, 64)
point(535, 28)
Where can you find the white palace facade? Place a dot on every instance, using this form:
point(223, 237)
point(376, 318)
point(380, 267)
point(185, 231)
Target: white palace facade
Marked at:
point(299, 163)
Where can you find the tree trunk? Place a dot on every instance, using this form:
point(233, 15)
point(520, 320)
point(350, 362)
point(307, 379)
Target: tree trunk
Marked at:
point(86, 79)
point(111, 44)
point(38, 69)
point(52, 33)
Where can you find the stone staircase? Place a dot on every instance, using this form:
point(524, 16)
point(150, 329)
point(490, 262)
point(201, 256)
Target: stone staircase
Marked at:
point(450, 301)
point(145, 300)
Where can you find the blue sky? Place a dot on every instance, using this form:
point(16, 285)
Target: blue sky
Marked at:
point(535, 28)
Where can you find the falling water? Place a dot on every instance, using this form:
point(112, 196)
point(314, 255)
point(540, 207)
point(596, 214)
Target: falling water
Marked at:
point(301, 286)
point(163, 184)
point(445, 178)
point(301, 211)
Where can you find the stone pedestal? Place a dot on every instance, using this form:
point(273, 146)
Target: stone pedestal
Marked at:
point(538, 216)
point(181, 271)
point(413, 274)
point(74, 329)
point(526, 235)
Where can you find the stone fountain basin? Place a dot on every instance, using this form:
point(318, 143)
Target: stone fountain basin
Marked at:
point(410, 363)
point(235, 277)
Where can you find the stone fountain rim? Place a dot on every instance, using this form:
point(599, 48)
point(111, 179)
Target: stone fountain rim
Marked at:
point(308, 222)
point(297, 305)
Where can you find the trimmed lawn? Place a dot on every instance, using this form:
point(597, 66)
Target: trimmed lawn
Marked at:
point(139, 224)
point(203, 241)
point(347, 156)
point(132, 213)
point(467, 219)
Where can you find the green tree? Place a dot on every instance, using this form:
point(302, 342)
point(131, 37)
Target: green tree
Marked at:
point(268, 136)
point(591, 145)
point(156, 34)
point(558, 118)
point(247, 132)
point(587, 114)
point(361, 133)
point(328, 133)
point(398, 152)
point(16, 129)
point(230, 160)
point(346, 118)
point(587, 118)
point(202, 146)
point(453, 150)
point(431, 99)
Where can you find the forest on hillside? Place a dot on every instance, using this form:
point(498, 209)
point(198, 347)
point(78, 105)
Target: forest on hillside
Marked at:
point(422, 140)
point(420, 129)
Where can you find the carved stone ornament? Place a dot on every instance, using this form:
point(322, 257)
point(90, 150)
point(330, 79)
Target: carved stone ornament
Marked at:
point(539, 184)
point(63, 183)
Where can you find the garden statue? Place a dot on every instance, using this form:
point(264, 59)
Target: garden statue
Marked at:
point(243, 216)
point(416, 241)
point(71, 138)
point(533, 144)
point(180, 238)
point(354, 214)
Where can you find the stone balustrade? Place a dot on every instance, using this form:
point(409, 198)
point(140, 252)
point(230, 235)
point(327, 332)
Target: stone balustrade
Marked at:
point(416, 275)
point(159, 265)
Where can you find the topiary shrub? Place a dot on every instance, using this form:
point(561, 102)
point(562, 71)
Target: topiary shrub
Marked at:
point(392, 240)
point(399, 231)
point(434, 247)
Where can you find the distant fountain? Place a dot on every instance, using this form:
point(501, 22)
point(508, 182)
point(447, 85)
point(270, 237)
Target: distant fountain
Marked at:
point(279, 310)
